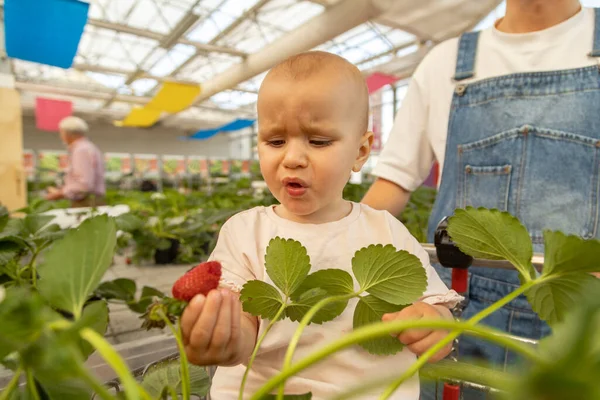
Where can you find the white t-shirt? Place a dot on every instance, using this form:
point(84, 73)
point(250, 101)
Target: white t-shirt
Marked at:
point(419, 134)
point(241, 249)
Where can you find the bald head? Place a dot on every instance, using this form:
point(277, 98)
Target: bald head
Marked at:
point(334, 68)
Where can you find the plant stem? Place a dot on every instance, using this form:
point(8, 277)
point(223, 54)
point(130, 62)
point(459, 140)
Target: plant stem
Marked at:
point(185, 369)
point(382, 329)
point(289, 355)
point(132, 390)
point(257, 347)
point(453, 335)
point(31, 385)
point(12, 385)
point(33, 268)
point(98, 387)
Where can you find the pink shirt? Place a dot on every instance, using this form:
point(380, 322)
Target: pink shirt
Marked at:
point(86, 171)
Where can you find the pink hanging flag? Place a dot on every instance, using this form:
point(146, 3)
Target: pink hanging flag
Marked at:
point(49, 112)
point(378, 80)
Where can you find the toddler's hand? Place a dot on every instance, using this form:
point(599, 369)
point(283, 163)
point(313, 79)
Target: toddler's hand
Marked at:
point(212, 329)
point(420, 340)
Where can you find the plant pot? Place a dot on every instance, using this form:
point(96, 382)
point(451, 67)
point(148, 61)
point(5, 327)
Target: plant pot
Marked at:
point(167, 256)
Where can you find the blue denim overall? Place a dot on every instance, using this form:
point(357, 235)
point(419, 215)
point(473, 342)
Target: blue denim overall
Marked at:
point(529, 144)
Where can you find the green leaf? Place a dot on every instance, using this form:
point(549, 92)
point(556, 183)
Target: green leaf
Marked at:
point(4, 217)
point(163, 244)
point(370, 310)
point(34, 222)
point(56, 363)
point(50, 234)
point(567, 254)
point(572, 355)
point(14, 227)
point(260, 299)
point(120, 289)
point(397, 277)
point(556, 297)
point(316, 287)
point(8, 251)
point(128, 222)
point(73, 266)
point(95, 316)
point(287, 264)
point(23, 319)
point(492, 235)
point(167, 373)
point(305, 396)
point(333, 281)
point(298, 309)
point(146, 298)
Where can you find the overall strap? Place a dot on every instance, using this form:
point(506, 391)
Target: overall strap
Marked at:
point(467, 53)
point(596, 50)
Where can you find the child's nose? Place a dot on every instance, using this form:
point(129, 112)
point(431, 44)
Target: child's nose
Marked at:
point(295, 156)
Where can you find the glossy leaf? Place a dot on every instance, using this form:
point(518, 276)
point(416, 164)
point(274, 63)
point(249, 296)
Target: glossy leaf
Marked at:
point(167, 374)
point(287, 264)
point(73, 266)
point(397, 277)
point(570, 254)
point(260, 299)
point(492, 235)
point(370, 310)
point(95, 316)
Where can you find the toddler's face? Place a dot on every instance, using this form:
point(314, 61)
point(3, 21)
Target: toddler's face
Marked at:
point(309, 140)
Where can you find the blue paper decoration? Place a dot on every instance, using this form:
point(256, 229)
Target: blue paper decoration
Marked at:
point(44, 31)
point(230, 127)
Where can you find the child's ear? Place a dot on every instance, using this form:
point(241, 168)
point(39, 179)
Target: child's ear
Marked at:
point(366, 142)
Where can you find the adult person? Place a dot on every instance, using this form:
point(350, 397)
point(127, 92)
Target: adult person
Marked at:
point(84, 181)
point(511, 115)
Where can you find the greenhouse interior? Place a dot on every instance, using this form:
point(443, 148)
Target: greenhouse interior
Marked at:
point(448, 250)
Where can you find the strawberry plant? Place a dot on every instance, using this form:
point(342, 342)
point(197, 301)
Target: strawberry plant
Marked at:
point(34, 339)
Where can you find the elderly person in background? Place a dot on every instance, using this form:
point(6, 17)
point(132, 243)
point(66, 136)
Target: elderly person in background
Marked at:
point(84, 181)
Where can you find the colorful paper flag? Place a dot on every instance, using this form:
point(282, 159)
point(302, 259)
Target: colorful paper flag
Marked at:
point(140, 117)
point(378, 80)
point(174, 97)
point(44, 31)
point(230, 127)
point(49, 113)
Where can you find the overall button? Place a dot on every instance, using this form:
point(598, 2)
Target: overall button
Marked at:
point(468, 169)
point(460, 89)
point(525, 130)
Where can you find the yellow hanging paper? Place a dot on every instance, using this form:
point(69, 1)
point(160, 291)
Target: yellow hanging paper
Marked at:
point(174, 97)
point(140, 117)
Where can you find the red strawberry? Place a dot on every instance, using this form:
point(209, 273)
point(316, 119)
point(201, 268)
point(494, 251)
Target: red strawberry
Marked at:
point(128, 261)
point(199, 280)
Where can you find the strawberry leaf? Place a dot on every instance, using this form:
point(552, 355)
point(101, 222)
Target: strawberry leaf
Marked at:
point(298, 309)
point(568, 260)
point(74, 265)
point(260, 299)
point(167, 374)
point(316, 287)
point(333, 281)
point(370, 310)
point(570, 254)
point(493, 235)
point(287, 264)
point(553, 299)
point(397, 277)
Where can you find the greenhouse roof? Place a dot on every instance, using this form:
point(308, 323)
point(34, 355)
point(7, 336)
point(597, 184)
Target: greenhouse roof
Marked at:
point(130, 47)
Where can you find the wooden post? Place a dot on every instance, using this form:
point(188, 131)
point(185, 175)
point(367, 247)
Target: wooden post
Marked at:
point(13, 181)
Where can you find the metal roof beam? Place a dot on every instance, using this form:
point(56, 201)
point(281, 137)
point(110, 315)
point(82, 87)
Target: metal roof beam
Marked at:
point(201, 47)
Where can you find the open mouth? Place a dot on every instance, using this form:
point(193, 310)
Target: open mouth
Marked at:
point(295, 185)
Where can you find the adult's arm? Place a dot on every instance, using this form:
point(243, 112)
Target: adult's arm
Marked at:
point(387, 195)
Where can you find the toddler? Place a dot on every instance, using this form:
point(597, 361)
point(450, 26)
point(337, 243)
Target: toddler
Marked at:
point(313, 112)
